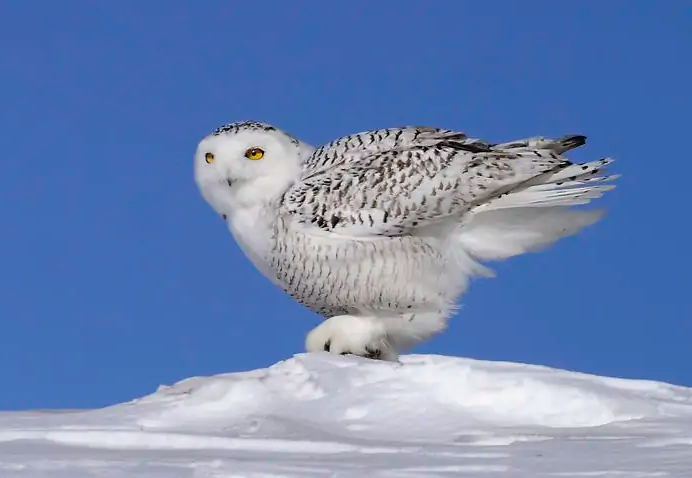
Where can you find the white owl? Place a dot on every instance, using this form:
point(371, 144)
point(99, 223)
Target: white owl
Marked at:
point(379, 232)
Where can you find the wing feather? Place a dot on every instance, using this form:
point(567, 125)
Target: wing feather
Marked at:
point(391, 182)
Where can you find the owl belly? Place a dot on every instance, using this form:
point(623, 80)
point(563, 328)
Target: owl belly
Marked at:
point(345, 276)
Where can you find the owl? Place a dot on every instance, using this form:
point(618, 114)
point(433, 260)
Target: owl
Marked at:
point(379, 232)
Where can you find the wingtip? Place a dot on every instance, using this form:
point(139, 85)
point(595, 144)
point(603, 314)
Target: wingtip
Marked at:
point(571, 141)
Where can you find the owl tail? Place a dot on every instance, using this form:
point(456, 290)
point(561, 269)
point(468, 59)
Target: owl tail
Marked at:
point(538, 213)
point(495, 235)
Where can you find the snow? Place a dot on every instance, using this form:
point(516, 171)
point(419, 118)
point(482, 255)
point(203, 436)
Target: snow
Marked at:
point(321, 415)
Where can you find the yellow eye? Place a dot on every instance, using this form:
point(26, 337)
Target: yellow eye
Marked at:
point(209, 158)
point(254, 154)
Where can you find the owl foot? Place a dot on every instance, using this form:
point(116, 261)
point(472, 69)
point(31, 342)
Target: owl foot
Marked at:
point(350, 334)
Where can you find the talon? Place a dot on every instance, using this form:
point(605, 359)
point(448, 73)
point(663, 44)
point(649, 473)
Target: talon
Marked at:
point(346, 352)
point(327, 345)
point(373, 354)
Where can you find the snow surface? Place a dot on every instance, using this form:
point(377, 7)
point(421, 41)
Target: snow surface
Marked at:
point(319, 415)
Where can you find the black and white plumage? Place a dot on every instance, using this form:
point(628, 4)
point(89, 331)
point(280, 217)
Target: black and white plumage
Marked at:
point(379, 232)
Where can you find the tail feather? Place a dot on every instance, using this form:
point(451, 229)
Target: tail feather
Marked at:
point(576, 171)
point(577, 182)
point(536, 213)
point(571, 185)
point(546, 197)
point(499, 234)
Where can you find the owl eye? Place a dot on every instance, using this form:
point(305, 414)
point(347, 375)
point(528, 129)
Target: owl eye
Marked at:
point(209, 158)
point(254, 154)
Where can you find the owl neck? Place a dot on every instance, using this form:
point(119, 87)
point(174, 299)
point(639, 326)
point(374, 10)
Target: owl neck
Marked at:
point(252, 217)
point(252, 229)
point(259, 193)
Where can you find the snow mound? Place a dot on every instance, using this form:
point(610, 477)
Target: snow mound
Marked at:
point(355, 396)
point(319, 415)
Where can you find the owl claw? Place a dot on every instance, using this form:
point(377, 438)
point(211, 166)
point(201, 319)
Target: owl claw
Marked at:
point(351, 335)
point(374, 354)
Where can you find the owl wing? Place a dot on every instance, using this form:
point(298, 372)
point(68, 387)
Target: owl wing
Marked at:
point(396, 181)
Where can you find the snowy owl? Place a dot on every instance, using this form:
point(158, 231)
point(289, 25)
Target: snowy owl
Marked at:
point(379, 232)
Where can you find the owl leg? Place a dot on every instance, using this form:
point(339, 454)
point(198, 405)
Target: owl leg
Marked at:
point(407, 330)
point(351, 334)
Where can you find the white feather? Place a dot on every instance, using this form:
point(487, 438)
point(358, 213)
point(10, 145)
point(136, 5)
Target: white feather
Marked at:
point(499, 234)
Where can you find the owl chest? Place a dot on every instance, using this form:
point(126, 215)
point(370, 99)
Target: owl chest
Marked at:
point(344, 275)
point(303, 263)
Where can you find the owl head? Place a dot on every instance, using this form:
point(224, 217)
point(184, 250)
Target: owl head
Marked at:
point(247, 162)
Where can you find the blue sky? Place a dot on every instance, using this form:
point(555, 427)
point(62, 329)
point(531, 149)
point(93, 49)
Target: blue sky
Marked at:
point(116, 277)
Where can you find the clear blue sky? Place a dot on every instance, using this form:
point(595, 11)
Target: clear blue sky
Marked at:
point(116, 277)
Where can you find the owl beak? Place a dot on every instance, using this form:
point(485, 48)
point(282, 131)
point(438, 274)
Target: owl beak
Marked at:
point(230, 183)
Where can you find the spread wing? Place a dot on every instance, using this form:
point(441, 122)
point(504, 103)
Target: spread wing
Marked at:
point(391, 182)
